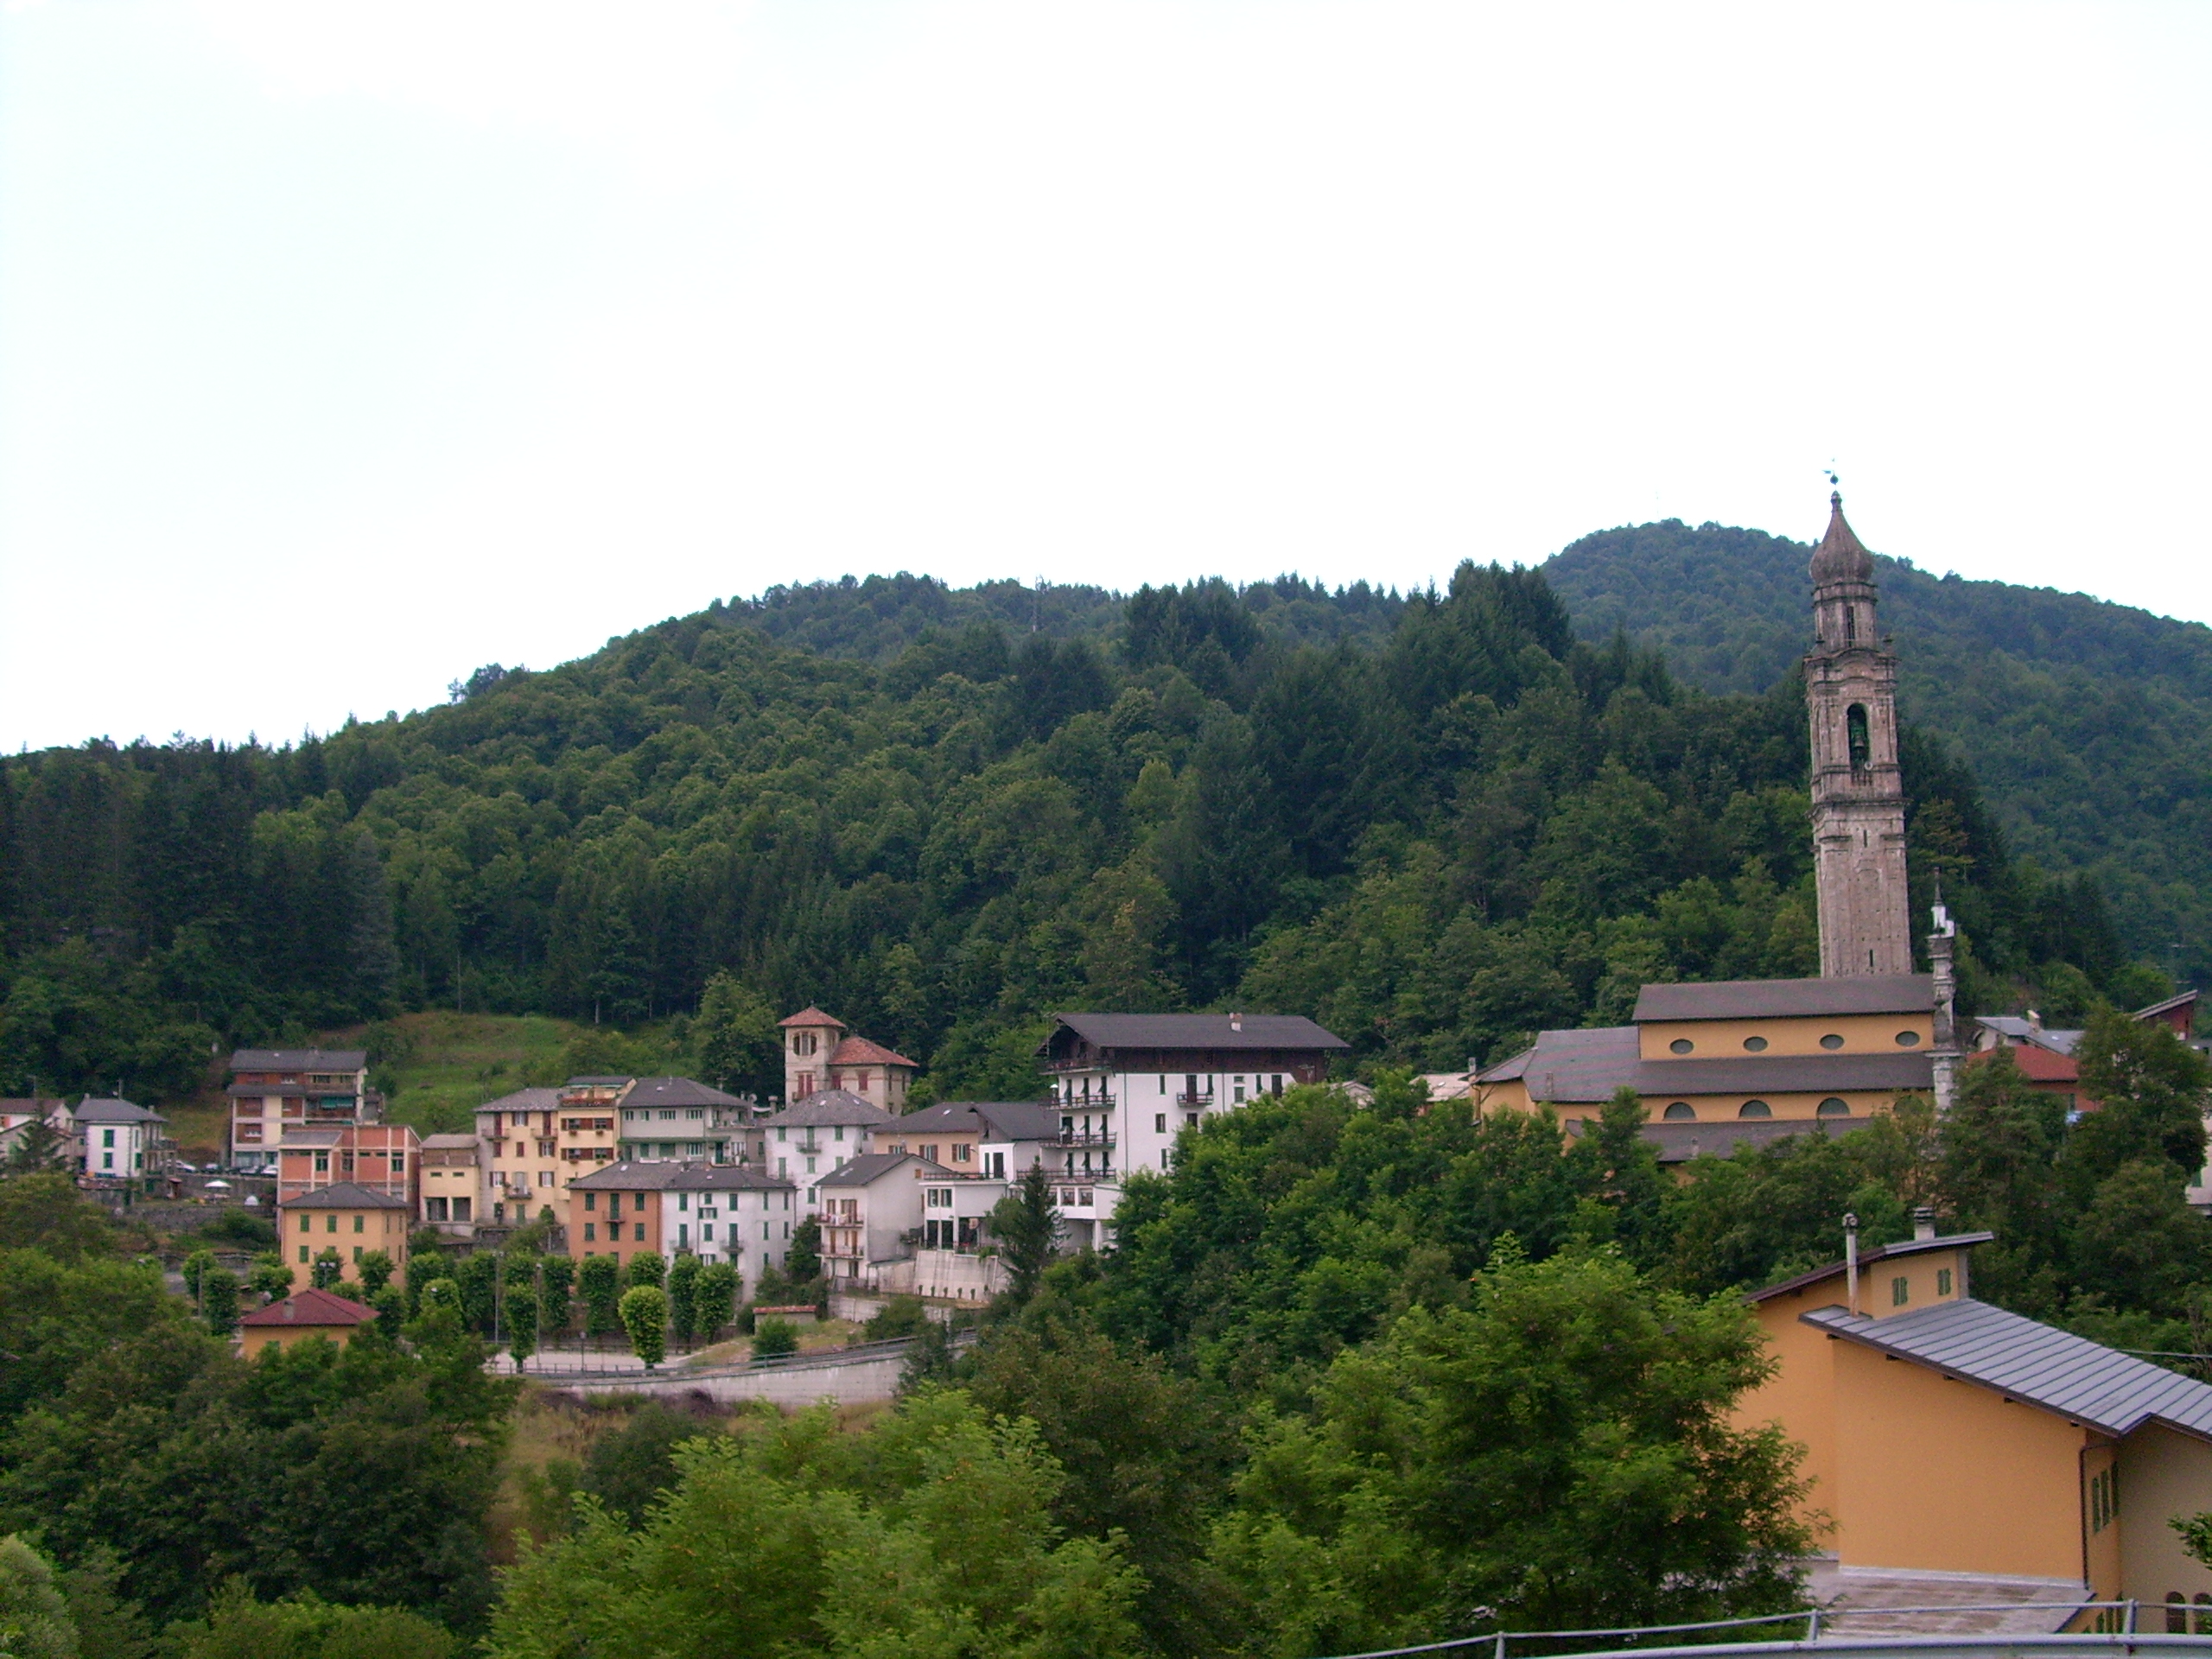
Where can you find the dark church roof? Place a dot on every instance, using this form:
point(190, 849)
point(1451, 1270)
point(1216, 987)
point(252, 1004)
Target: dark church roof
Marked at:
point(1786, 999)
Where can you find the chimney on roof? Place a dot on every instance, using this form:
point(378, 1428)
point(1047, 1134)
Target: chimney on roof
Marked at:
point(2035, 1021)
point(289, 1311)
point(1851, 1261)
point(1236, 1022)
point(1923, 1223)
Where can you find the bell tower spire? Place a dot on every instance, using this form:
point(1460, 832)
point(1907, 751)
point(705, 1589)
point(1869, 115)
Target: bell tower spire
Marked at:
point(1858, 790)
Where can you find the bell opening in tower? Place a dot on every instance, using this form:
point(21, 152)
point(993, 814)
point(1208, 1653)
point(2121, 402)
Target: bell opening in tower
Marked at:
point(1855, 733)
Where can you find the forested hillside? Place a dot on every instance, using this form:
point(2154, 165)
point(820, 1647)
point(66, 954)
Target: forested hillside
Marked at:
point(2089, 725)
point(1453, 825)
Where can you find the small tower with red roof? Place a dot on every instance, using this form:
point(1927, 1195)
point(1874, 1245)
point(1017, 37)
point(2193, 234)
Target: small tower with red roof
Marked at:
point(821, 1053)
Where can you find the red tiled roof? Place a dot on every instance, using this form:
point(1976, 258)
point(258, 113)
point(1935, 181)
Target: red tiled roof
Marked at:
point(811, 1016)
point(311, 1307)
point(858, 1050)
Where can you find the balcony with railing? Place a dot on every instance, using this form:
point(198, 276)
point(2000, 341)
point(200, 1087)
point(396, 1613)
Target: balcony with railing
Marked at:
point(1100, 1101)
point(1086, 1138)
point(1205, 1099)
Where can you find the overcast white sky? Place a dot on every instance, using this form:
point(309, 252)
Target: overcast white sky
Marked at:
point(344, 347)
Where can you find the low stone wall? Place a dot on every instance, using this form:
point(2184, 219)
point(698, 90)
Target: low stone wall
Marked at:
point(848, 1382)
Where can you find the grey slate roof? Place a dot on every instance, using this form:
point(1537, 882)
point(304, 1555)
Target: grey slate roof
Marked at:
point(628, 1176)
point(2014, 1029)
point(114, 1112)
point(1199, 1031)
point(828, 1107)
point(1572, 1065)
point(1786, 999)
point(1787, 1074)
point(298, 1059)
point(343, 1195)
point(1677, 1143)
point(1018, 1119)
point(872, 1166)
point(675, 1091)
point(988, 1120)
point(2056, 1370)
point(724, 1178)
point(524, 1100)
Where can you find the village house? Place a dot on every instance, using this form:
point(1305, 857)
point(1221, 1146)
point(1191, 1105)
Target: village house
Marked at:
point(996, 1139)
point(821, 1053)
point(815, 1135)
point(718, 1212)
point(118, 1140)
point(677, 1118)
point(519, 1155)
point(2046, 1057)
point(348, 1218)
point(274, 1089)
point(383, 1157)
point(1943, 1435)
point(615, 1211)
point(727, 1212)
point(1125, 1085)
point(450, 1174)
point(871, 1210)
point(304, 1314)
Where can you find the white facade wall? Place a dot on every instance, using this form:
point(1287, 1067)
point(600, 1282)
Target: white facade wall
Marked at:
point(119, 1150)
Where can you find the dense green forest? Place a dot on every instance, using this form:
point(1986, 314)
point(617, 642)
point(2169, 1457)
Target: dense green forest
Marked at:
point(1435, 821)
point(2089, 724)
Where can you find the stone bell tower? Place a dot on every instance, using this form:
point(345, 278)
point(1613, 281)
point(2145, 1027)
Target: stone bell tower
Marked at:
point(1857, 791)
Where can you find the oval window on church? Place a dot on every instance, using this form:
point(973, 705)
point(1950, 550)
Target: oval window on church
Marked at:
point(1833, 1106)
point(1755, 1045)
point(1907, 1040)
point(1831, 1041)
point(1677, 1110)
point(1681, 1045)
point(1755, 1108)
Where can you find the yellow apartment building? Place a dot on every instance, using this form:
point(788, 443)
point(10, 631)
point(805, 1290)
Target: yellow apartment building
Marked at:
point(350, 1219)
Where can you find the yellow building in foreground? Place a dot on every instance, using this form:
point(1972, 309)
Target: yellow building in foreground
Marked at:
point(1945, 1435)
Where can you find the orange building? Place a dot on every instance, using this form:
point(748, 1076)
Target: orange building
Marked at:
point(383, 1157)
point(348, 1218)
point(1942, 1434)
point(616, 1211)
point(302, 1314)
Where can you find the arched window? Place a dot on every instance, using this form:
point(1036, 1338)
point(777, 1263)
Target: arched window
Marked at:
point(2177, 1613)
point(1855, 732)
point(1679, 1110)
point(2204, 1614)
point(1755, 1108)
point(1833, 1106)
